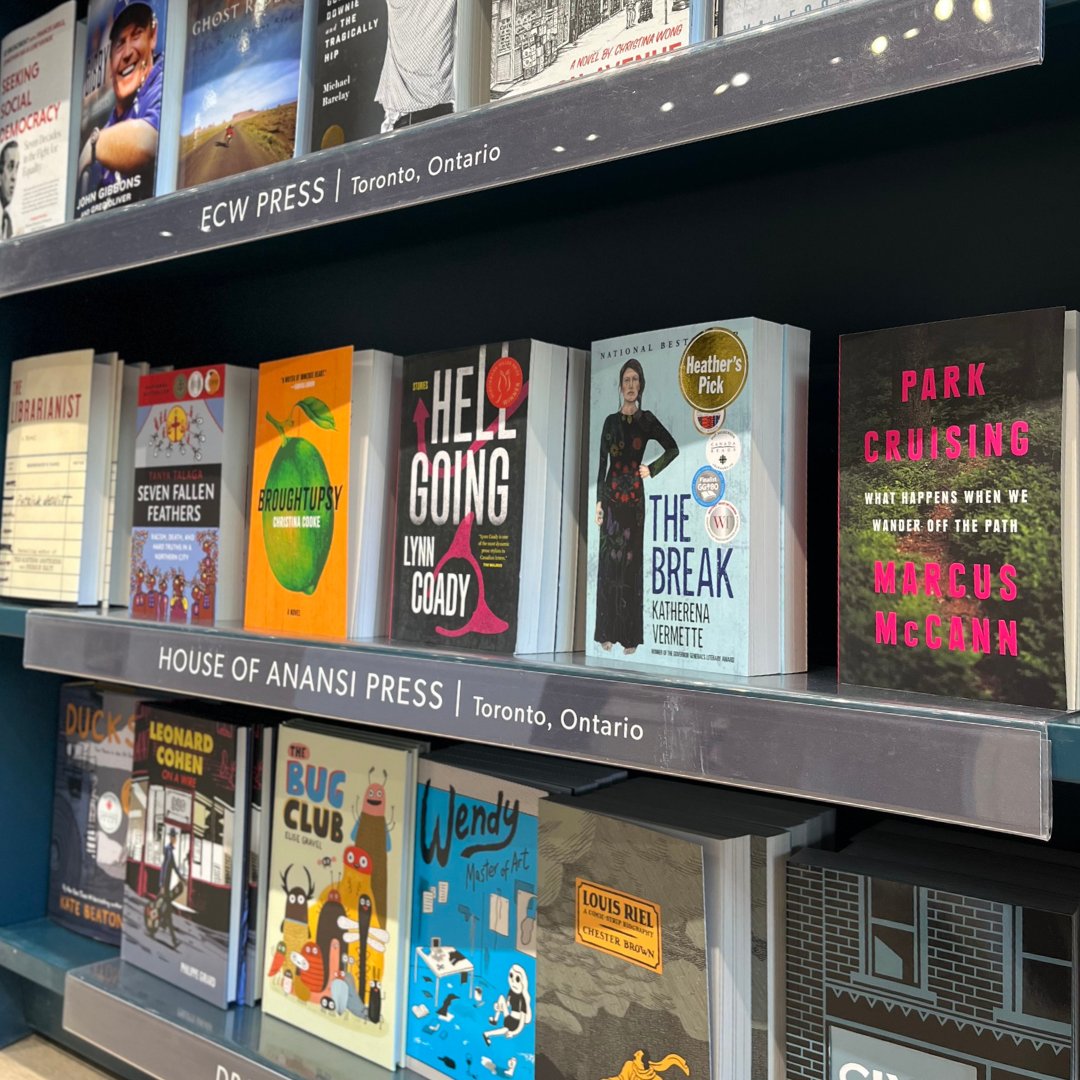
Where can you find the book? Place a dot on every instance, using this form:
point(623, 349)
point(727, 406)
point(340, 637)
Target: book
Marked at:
point(735, 16)
point(119, 584)
point(535, 48)
point(324, 444)
point(56, 477)
point(958, 478)
point(339, 896)
point(192, 475)
point(124, 86)
point(485, 553)
point(474, 901)
point(379, 67)
point(263, 743)
point(36, 65)
point(185, 891)
point(88, 857)
point(241, 85)
point(697, 498)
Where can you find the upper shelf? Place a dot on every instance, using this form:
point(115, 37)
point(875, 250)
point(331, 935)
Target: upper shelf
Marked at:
point(862, 51)
point(954, 761)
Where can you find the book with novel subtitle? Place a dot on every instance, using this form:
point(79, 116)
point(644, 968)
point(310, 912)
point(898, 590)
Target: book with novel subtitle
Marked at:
point(473, 923)
point(88, 857)
point(697, 505)
point(185, 891)
point(36, 63)
point(241, 85)
point(188, 536)
point(338, 911)
point(958, 508)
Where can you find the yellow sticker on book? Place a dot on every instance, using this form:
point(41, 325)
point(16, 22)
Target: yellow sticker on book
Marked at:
point(619, 924)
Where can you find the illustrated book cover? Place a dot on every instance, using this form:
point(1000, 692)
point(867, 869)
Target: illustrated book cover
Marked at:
point(958, 472)
point(91, 795)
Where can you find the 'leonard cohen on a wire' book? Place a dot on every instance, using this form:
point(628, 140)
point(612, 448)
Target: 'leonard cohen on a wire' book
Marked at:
point(485, 552)
point(88, 859)
point(36, 63)
point(241, 85)
point(697, 507)
point(185, 891)
point(192, 471)
point(958, 508)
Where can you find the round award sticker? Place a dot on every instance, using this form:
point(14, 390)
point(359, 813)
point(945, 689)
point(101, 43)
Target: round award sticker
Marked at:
point(708, 422)
point(179, 386)
point(213, 381)
point(195, 383)
point(722, 522)
point(504, 382)
point(723, 449)
point(713, 370)
point(708, 486)
point(110, 813)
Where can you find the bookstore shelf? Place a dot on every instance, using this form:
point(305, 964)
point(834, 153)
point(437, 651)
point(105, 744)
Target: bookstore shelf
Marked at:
point(949, 760)
point(13, 619)
point(838, 57)
point(43, 952)
point(171, 1035)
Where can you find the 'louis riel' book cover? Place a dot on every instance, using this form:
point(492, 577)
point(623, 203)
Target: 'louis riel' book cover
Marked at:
point(90, 799)
point(185, 890)
point(622, 957)
point(957, 488)
point(473, 976)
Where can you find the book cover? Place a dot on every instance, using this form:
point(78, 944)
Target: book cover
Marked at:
point(934, 980)
point(122, 85)
point(534, 46)
point(297, 575)
point(188, 806)
point(241, 82)
point(950, 508)
point(669, 513)
point(35, 122)
point(41, 531)
point(461, 485)
point(622, 955)
point(92, 791)
point(473, 968)
point(175, 536)
point(337, 915)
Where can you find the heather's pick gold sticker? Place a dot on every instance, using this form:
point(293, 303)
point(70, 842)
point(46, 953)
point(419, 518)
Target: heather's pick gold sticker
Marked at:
point(713, 370)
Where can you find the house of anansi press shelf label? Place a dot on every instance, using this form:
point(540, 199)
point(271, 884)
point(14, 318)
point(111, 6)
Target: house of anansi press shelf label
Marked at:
point(950, 508)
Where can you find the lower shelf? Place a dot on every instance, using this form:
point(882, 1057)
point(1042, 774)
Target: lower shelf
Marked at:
point(44, 952)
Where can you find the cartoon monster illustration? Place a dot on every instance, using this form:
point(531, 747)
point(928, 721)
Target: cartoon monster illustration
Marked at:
point(294, 926)
point(636, 1069)
point(328, 934)
point(356, 877)
point(372, 834)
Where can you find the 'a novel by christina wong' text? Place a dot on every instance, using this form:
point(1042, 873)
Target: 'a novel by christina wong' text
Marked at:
point(951, 513)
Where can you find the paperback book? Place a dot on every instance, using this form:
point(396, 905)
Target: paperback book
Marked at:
point(91, 791)
point(36, 64)
point(958, 508)
point(192, 474)
point(697, 498)
point(185, 891)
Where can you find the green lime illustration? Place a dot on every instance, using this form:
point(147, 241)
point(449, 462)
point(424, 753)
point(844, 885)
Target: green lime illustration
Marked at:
point(297, 556)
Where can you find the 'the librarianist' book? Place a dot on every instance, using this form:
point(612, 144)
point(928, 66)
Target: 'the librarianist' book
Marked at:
point(192, 472)
point(241, 84)
point(485, 555)
point(90, 798)
point(36, 63)
point(697, 507)
point(341, 868)
point(958, 508)
point(186, 891)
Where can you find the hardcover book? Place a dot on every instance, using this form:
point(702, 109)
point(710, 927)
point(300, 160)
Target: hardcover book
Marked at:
point(185, 889)
point(123, 87)
point(697, 474)
point(338, 912)
point(241, 84)
point(36, 63)
point(473, 969)
point(91, 790)
point(958, 474)
point(188, 536)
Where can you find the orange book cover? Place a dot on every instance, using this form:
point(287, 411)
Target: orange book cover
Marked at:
point(297, 577)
